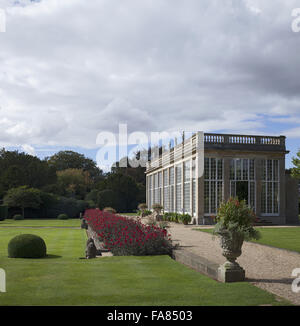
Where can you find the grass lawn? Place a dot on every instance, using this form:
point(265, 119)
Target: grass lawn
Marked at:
point(64, 279)
point(42, 222)
point(285, 238)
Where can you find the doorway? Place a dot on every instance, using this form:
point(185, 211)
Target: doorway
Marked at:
point(242, 190)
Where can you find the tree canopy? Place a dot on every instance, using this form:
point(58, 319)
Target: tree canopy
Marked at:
point(64, 160)
point(296, 168)
point(23, 197)
point(121, 191)
point(67, 182)
point(20, 169)
point(74, 182)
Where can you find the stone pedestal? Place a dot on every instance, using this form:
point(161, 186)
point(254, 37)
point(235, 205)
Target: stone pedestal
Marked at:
point(231, 272)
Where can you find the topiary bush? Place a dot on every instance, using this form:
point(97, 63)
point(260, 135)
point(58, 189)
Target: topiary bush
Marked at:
point(27, 246)
point(62, 216)
point(18, 217)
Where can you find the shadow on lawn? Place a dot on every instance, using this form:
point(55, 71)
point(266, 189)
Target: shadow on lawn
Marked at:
point(52, 256)
point(261, 280)
point(47, 257)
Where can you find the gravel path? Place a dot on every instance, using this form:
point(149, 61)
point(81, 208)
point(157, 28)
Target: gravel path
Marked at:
point(266, 267)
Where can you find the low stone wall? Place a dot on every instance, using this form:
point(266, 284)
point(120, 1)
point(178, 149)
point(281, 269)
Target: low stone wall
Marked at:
point(198, 263)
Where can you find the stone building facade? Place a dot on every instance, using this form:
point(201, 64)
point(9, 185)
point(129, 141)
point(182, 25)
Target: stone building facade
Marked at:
point(197, 175)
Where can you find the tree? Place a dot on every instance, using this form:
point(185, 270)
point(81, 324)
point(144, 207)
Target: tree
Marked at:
point(74, 182)
point(122, 189)
point(134, 167)
point(107, 198)
point(20, 169)
point(296, 169)
point(64, 160)
point(23, 197)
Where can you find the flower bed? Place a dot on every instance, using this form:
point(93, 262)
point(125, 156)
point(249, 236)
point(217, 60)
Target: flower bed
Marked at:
point(124, 236)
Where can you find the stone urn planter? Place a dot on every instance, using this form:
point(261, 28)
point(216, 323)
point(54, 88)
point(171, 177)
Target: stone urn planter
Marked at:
point(84, 224)
point(142, 207)
point(185, 219)
point(157, 211)
point(231, 245)
point(234, 224)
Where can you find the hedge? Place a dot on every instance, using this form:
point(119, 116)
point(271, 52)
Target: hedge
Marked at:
point(3, 212)
point(27, 246)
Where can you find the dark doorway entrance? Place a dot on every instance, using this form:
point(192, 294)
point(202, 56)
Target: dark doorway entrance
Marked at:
point(242, 190)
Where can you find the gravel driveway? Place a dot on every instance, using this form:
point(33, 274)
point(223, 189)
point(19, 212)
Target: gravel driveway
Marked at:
point(266, 267)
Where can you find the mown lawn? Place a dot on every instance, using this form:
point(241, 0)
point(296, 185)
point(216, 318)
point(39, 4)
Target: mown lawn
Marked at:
point(64, 279)
point(42, 222)
point(284, 238)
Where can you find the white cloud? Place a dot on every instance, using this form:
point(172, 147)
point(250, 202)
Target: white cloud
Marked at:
point(293, 132)
point(70, 69)
point(29, 149)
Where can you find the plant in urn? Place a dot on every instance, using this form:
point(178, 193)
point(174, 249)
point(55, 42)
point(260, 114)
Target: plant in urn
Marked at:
point(235, 221)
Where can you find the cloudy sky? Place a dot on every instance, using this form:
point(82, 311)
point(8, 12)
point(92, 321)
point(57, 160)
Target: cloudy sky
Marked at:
point(70, 69)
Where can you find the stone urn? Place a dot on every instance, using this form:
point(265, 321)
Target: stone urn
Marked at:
point(84, 224)
point(231, 271)
point(157, 208)
point(157, 216)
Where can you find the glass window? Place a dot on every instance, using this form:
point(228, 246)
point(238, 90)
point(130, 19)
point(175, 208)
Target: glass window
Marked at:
point(194, 186)
point(171, 189)
point(213, 185)
point(178, 188)
point(270, 187)
point(166, 191)
point(242, 180)
point(187, 187)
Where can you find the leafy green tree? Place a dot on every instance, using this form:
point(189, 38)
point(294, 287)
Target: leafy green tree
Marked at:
point(20, 169)
point(123, 191)
point(74, 182)
point(130, 167)
point(107, 198)
point(64, 160)
point(296, 169)
point(23, 197)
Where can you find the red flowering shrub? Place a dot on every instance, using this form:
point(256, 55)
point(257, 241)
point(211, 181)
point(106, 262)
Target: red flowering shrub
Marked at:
point(127, 237)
